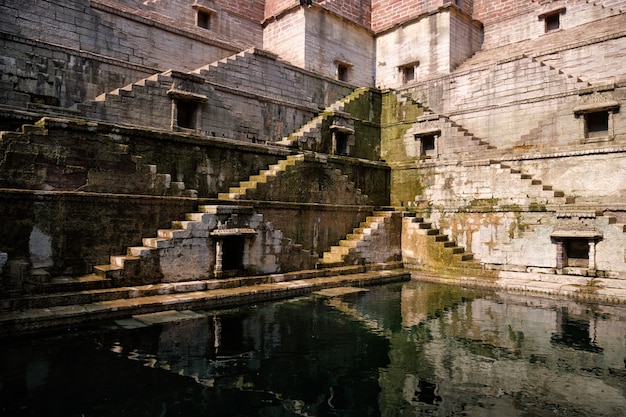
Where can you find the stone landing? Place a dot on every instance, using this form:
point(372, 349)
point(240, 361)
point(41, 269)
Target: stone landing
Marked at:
point(79, 308)
point(578, 288)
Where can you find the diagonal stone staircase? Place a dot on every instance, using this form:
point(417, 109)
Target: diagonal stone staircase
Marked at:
point(313, 128)
point(458, 138)
point(263, 177)
point(442, 249)
point(367, 243)
point(537, 187)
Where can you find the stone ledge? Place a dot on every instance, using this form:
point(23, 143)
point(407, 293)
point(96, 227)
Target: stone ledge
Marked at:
point(39, 319)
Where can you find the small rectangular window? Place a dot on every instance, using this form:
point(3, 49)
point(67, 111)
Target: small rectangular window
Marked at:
point(596, 124)
point(341, 143)
point(342, 72)
point(427, 144)
point(187, 114)
point(204, 19)
point(577, 252)
point(553, 22)
point(552, 19)
point(407, 72)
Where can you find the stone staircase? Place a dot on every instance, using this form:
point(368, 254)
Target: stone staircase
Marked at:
point(312, 130)
point(317, 182)
point(486, 185)
point(458, 252)
point(458, 139)
point(357, 247)
point(440, 248)
point(535, 186)
point(156, 81)
point(263, 177)
point(578, 82)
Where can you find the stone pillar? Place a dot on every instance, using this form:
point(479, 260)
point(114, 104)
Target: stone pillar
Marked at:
point(560, 254)
point(245, 257)
point(592, 255)
point(174, 121)
point(219, 253)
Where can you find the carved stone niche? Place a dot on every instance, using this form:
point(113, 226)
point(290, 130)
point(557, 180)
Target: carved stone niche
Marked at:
point(233, 238)
point(342, 132)
point(596, 118)
point(186, 101)
point(576, 237)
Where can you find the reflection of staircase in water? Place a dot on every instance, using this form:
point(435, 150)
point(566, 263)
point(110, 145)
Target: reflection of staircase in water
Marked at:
point(184, 346)
point(349, 310)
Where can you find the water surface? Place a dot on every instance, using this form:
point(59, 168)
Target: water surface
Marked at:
point(407, 349)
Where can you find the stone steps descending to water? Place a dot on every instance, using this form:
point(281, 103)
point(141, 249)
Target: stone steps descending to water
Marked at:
point(442, 240)
point(63, 310)
point(351, 249)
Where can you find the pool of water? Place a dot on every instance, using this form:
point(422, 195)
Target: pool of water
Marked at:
point(407, 349)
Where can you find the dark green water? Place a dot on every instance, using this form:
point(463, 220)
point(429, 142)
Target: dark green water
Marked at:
point(409, 349)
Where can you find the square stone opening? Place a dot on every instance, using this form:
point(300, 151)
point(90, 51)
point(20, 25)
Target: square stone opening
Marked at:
point(576, 252)
point(427, 143)
point(553, 22)
point(203, 19)
point(596, 124)
point(187, 114)
point(552, 19)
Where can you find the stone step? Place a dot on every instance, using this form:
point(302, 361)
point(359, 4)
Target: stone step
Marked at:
point(122, 260)
point(342, 250)
point(81, 283)
point(73, 309)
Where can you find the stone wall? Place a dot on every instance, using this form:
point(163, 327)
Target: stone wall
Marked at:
point(251, 97)
point(432, 45)
point(68, 233)
point(72, 155)
point(508, 21)
point(528, 240)
point(62, 53)
point(320, 41)
point(386, 13)
point(487, 97)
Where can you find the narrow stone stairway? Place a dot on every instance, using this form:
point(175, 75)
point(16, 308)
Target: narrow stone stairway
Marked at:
point(451, 248)
point(537, 187)
point(245, 187)
point(313, 129)
point(459, 139)
point(358, 246)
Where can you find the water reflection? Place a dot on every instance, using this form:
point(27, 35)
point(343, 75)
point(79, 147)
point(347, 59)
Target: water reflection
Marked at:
point(398, 350)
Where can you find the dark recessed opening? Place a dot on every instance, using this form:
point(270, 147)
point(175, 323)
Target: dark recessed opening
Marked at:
point(47, 100)
point(204, 19)
point(426, 144)
point(187, 113)
point(553, 22)
point(342, 72)
point(576, 252)
point(597, 124)
point(408, 74)
point(341, 143)
point(232, 253)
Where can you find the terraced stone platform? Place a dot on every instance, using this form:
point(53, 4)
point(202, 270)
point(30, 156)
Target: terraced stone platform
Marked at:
point(77, 308)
